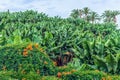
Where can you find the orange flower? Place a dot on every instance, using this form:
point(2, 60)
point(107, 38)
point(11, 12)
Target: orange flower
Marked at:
point(25, 53)
point(45, 62)
point(59, 74)
point(25, 50)
point(29, 47)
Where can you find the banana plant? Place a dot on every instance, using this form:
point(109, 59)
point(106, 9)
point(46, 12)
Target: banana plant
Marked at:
point(110, 63)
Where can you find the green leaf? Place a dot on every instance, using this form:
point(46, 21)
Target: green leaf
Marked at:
point(111, 62)
point(17, 39)
point(100, 62)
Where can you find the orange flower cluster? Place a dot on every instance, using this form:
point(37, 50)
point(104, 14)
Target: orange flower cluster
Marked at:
point(59, 74)
point(29, 47)
point(25, 52)
point(41, 49)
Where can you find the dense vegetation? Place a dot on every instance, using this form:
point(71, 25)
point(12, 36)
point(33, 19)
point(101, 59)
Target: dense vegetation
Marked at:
point(34, 46)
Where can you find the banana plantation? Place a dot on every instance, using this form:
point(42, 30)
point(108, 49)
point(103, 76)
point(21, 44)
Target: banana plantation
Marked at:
point(34, 46)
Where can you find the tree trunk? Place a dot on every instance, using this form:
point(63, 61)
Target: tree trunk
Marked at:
point(115, 20)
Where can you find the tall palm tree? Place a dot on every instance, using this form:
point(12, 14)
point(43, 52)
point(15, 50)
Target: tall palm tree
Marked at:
point(80, 13)
point(86, 11)
point(107, 16)
point(110, 16)
point(75, 13)
point(114, 14)
point(94, 16)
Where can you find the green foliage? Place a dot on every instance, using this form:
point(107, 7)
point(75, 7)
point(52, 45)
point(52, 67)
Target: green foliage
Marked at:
point(27, 76)
point(77, 75)
point(25, 58)
point(76, 64)
point(81, 39)
point(108, 64)
point(85, 75)
point(11, 75)
point(6, 75)
point(50, 78)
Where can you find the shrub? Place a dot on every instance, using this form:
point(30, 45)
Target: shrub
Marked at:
point(5, 75)
point(84, 75)
point(50, 78)
point(26, 76)
point(25, 58)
